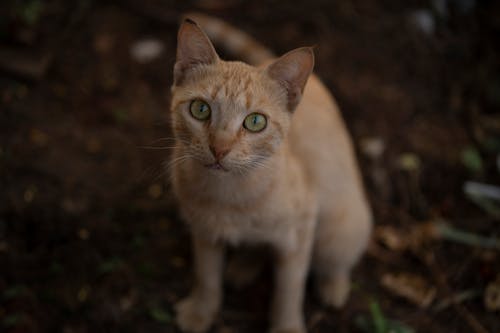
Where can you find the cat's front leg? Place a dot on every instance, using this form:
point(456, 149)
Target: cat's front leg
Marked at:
point(197, 312)
point(290, 275)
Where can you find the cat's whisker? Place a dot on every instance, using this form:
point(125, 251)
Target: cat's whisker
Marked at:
point(175, 140)
point(177, 160)
point(164, 139)
point(259, 161)
point(157, 148)
point(168, 165)
point(149, 173)
point(239, 169)
point(161, 174)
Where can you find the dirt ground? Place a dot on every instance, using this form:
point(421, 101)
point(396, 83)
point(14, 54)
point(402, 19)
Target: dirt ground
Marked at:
point(90, 240)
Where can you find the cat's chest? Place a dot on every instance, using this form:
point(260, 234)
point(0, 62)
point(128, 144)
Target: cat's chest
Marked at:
point(260, 220)
point(270, 215)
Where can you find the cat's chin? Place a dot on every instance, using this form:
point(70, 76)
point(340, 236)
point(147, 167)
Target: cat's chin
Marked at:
point(216, 166)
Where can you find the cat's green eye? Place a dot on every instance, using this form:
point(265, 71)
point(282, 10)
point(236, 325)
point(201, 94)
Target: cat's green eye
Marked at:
point(200, 109)
point(255, 122)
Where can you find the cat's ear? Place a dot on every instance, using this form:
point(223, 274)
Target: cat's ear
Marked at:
point(193, 49)
point(292, 71)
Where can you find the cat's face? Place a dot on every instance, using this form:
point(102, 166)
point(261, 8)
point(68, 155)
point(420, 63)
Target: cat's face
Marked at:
point(228, 116)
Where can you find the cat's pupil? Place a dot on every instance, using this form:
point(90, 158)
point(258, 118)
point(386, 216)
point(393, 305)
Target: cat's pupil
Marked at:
point(255, 120)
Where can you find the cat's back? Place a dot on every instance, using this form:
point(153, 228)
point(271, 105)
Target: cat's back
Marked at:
point(320, 140)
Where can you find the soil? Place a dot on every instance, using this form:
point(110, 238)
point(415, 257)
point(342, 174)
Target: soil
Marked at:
point(90, 239)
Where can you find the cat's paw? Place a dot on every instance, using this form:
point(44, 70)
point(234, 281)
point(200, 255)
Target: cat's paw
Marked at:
point(335, 290)
point(194, 316)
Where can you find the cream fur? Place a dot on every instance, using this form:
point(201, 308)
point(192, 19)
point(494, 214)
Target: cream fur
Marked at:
point(294, 186)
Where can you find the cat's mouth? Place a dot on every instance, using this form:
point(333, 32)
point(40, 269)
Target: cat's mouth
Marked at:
point(216, 166)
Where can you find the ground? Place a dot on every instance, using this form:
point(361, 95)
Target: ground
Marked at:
point(90, 239)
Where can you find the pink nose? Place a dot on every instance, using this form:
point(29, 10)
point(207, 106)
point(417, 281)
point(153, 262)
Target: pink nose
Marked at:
point(219, 152)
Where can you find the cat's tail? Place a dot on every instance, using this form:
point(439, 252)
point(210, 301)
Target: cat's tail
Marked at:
point(231, 39)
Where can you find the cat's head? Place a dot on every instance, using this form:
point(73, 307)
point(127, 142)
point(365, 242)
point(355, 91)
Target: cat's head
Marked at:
point(231, 116)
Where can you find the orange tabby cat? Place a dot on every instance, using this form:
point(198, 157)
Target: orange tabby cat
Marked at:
point(262, 157)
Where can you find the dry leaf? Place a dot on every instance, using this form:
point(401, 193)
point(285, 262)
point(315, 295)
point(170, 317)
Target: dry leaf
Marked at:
point(93, 145)
point(412, 287)
point(409, 162)
point(402, 239)
point(155, 191)
point(83, 234)
point(373, 147)
point(492, 295)
point(127, 302)
point(104, 43)
point(83, 293)
point(391, 238)
point(38, 137)
point(29, 193)
point(178, 262)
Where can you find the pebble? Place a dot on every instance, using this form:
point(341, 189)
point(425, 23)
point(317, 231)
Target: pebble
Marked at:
point(146, 50)
point(423, 20)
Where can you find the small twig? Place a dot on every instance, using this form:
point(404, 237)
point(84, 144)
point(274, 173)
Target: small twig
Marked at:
point(439, 276)
point(486, 196)
point(378, 252)
point(430, 260)
point(450, 233)
point(457, 299)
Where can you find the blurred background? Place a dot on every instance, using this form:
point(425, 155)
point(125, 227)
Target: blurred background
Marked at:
point(90, 240)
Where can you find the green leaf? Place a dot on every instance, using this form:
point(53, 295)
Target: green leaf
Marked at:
point(363, 324)
point(14, 292)
point(56, 268)
point(398, 327)
point(472, 160)
point(460, 236)
point(120, 115)
point(110, 265)
point(30, 12)
point(379, 322)
point(146, 270)
point(491, 144)
point(138, 241)
point(409, 162)
point(160, 315)
point(13, 320)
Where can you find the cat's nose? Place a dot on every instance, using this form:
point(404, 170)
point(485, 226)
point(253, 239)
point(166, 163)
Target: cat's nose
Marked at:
point(219, 152)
